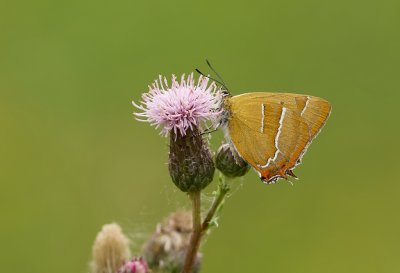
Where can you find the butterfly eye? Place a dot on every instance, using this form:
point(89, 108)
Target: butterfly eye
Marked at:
point(225, 93)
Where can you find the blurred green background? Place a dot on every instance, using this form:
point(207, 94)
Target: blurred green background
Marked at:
point(72, 158)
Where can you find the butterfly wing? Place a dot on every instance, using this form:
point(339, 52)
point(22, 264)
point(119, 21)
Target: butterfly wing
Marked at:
point(272, 131)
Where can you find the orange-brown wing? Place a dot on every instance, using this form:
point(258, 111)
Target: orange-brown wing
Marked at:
point(272, 131)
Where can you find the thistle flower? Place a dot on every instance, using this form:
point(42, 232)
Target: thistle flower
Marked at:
point(110, 249)
point(182, 110)
point(183, 105)
point(136, 265)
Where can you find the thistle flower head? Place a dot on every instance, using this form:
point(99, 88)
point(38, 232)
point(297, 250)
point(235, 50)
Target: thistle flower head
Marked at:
point(136, 265)
point(181, 106)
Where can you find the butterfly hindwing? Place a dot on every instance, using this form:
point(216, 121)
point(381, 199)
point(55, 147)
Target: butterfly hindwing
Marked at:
point(272, 131)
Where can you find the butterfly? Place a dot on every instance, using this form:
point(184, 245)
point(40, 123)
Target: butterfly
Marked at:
point(272, 131)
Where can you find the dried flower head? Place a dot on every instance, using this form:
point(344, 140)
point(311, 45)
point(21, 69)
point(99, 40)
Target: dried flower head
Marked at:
point(136, 265)
point(166, 248)
point(110, 249)
point(183, 105)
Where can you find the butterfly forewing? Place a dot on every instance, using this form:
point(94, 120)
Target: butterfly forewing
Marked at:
point(272, 131)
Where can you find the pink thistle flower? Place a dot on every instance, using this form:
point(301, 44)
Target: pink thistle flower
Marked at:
point(183, 105)
point(136, 265)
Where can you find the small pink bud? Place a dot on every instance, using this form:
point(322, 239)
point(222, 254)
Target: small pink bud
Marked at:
point(136, 265)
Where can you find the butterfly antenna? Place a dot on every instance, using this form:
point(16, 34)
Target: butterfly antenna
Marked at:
point(216, 73)
point(221, 83)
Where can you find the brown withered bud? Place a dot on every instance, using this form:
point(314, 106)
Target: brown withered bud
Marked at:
point(190, 161)
point(228, 164)
point(165, 250)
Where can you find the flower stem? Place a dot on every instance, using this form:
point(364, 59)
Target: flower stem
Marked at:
point(196, 235)
point(200, 228)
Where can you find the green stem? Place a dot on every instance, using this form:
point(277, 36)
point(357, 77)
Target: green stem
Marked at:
point(222, 191)
point(196, 235)
point(199, 228)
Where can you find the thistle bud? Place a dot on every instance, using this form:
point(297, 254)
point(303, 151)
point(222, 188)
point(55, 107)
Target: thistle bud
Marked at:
point(228, 164)
point(190, 161)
